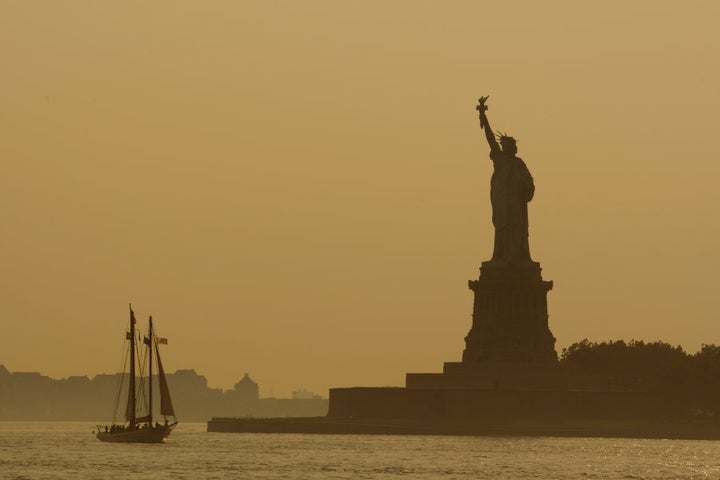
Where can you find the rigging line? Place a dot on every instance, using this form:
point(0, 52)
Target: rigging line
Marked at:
point(141, 397)
point(120, 383)
point(142, 363)
point(138, 372)
point(124, 349)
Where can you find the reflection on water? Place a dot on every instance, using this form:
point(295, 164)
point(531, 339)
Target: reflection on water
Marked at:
point(70, 451)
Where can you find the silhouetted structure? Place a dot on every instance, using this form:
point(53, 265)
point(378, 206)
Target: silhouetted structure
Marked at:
point(509, 342)
point(511, 188)
point(509, 380)
point(32, 396)
point(510, 318)
point(246, 388)
point(137, 425)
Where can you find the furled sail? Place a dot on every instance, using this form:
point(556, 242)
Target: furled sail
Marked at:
point(166, 407)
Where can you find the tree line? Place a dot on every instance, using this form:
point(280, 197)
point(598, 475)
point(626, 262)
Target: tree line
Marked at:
point(656, 366)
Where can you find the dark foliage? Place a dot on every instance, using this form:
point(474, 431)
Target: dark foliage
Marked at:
point(656, 366)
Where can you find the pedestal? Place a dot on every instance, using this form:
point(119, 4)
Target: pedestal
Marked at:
point(510, 317)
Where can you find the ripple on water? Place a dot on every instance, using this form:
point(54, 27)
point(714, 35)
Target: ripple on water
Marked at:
point(70, 451)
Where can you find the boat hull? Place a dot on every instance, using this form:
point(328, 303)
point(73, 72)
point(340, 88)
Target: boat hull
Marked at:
point(158, 434)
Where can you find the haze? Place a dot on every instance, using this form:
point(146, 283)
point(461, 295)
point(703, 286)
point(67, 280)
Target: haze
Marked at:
point(300, 190)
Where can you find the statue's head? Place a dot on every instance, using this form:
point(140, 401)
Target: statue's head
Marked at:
point(508, 144)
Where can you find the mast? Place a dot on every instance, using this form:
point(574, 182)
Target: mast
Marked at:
point(150, 342)
point(130, 413)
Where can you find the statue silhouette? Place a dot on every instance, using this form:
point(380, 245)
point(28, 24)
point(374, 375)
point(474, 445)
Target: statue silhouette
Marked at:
point(511, 188)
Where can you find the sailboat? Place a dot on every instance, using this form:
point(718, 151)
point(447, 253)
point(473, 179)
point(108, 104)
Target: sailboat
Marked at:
point(140, 428)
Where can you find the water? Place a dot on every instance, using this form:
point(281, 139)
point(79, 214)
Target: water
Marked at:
point(70, 451)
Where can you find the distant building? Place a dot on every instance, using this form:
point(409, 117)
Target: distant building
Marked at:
point(246, 389)
point(188, 379)
point(33, 396)
point(303, 394)
point(76, 380)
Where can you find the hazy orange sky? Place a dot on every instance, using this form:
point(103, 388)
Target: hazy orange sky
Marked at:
point(300, 189)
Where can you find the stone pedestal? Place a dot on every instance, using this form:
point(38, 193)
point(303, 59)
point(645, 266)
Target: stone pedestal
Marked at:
point(492, 376)
point(510, 317)
point(509, 346)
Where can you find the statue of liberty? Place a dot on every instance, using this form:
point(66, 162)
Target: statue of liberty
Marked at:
point(511, 188)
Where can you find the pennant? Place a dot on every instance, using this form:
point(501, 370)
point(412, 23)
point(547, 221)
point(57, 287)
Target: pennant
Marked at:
point(162, 341)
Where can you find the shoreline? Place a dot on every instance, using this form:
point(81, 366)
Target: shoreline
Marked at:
point(671, 429)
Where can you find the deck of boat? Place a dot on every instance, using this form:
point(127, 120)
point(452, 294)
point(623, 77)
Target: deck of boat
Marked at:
point(157, 434)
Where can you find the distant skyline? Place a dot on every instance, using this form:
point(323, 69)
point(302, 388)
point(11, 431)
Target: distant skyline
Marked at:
point(300, 190)
point(300, 392)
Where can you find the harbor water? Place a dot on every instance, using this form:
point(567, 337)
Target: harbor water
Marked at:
point(57, 450)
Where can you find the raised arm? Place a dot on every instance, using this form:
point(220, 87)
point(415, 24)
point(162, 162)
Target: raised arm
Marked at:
point(485, 125)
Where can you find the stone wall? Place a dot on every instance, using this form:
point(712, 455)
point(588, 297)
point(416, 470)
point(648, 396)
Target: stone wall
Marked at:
point(475, 404)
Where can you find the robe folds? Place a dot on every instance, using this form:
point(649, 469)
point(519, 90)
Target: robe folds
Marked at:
point(511, 188)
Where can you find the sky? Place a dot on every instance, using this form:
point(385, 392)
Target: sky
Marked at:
point(300, 190)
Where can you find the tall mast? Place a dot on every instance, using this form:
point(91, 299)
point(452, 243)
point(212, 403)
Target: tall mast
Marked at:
point(150, 362)
point(131, 386)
